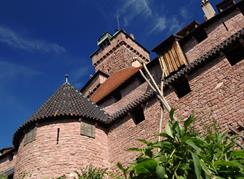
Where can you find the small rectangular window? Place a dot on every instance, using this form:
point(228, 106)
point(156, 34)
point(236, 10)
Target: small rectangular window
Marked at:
point(87, 129)
point(181, 86)
point(30, 136)
point(138, 115)
point(235, 53)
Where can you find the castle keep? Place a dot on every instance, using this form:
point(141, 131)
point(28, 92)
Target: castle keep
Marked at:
point(204, 73)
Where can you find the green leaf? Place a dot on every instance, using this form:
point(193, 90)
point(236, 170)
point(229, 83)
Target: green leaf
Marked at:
point(146, 167)
point(192, 144)
point(227, 164)
point(168, 130)
point(197, 166)
point(237, 154)
point(160, 171)
point(144, 141)
point(187, 122)
point(205, 168)
point(164, 145)
point(171, 114)
point(135, 149)
point(148, 152)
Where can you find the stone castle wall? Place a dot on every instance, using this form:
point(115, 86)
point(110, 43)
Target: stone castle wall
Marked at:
point(217, 33)
point(7, 162)
point(44, 158)
point(217, 93)
point(118, 55)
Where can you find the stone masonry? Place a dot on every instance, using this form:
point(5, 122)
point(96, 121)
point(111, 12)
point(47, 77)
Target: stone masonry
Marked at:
point(119, 54)
point(216, 95)
point(44, 158)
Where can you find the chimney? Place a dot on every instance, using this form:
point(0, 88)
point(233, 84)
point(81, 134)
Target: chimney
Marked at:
point(208, 9)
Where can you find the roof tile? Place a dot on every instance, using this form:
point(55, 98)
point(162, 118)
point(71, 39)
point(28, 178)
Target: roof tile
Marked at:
point(66, 101)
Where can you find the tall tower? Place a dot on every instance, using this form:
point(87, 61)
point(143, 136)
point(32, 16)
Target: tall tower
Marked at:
point(116, 52)
point(208, 9)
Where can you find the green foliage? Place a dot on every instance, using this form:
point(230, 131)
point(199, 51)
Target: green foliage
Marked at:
point(184, 154)
point(89, 172)
point(3, 177)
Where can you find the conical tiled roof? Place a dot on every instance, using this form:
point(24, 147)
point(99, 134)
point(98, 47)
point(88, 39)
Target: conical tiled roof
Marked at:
point(66, 101)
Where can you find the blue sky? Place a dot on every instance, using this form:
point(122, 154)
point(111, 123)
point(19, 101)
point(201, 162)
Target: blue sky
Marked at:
point(40, 41)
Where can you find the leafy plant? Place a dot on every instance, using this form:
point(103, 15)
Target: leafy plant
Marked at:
point(89, 172)
point(184, 154)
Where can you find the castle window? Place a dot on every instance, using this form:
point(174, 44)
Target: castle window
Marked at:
point(87, 129)
point(58, 131)
point(30, 136)
point(181, 86)
point(235, 53)
point(200, 34)
point(138, 115)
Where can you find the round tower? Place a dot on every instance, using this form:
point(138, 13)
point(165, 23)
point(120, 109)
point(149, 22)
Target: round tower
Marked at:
point(64, 135)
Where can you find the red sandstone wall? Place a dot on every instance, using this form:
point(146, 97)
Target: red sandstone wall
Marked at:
point(217, 33)
point(6, 163)
point(43, 158)
point(217, 92)
point(119, 54)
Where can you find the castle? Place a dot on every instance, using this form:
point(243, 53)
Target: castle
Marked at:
point(204, 73)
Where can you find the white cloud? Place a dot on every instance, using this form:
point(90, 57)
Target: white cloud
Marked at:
point(130, 9)
point(15, 40)
point(156, 22)
point(159, 25)
point(174, 25)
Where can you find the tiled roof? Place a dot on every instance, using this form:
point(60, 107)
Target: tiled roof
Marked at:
point(114, 81)
point(66, 101)
point(142, 97)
